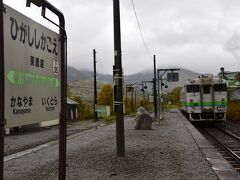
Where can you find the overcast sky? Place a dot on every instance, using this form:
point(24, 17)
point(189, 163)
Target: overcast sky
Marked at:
point(198, 35)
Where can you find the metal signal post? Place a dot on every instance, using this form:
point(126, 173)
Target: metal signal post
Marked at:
point(95, 85)
point(155, 87)
point(132, 91)
point(118, 81)
point(159, 78)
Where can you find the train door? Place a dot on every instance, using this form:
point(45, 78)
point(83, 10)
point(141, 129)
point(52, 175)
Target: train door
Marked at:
point(220, 100)
point(193, 101)
point(207, 102)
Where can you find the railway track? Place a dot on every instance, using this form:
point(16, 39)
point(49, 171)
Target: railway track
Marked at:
point(226, 143)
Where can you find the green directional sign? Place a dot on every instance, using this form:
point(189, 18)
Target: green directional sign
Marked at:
point(23, 78)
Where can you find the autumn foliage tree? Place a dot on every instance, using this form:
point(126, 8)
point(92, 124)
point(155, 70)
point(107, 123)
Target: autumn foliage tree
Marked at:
point(85, 111)
point(175, 95)
point(105, 96)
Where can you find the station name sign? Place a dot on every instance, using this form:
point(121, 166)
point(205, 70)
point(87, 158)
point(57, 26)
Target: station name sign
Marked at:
point(32, 71)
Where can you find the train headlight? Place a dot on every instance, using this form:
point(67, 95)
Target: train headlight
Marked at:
point(220, 80)
point(192, 81)
point(220, 108)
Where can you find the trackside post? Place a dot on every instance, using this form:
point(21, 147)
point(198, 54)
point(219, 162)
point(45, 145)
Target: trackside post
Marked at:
point(118, 81)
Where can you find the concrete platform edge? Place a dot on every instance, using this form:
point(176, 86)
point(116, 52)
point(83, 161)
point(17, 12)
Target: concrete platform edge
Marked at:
point(221, 167)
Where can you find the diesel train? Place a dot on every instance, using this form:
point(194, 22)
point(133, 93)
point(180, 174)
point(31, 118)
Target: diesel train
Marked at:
point(205, 99)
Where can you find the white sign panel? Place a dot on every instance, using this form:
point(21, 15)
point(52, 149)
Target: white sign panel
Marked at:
point(32, 71)
point(136, 83)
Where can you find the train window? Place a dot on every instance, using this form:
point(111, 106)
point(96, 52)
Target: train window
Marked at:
point(206, 89)
point(220, 87)
point(193, 88)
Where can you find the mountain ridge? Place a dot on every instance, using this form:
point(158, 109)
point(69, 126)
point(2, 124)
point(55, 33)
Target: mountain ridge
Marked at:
point(81, 81)
point(146, 75)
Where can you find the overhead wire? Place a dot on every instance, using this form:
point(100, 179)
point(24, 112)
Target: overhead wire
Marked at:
point(140, 30)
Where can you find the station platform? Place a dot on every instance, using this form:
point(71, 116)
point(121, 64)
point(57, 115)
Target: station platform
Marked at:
point(173, 149)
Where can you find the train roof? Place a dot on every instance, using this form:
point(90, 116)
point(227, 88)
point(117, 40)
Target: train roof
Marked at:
point(206, 80)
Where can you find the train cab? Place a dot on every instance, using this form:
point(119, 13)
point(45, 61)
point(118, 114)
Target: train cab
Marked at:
point(204, 99)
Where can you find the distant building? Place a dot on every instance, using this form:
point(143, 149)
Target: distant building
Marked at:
point(233, 83)
point(103, 111)
point(234, 95)
point(72, 109)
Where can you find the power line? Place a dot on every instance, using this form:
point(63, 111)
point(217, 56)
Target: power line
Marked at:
point(139, 27)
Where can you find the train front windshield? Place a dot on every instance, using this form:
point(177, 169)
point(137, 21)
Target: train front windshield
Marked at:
point(220, 87)
point(193, 88)
point(206, 89)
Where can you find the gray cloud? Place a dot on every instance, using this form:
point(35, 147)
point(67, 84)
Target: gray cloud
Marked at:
point(199, 35)
point(233, 46)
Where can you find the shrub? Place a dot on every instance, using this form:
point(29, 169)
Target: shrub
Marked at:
point(105, 96)
point(110, 118)
point(233, 113)
point(85, 111)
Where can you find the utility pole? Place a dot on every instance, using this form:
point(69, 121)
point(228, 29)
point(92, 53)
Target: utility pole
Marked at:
point(95, 85)
point(158, 95)
point(2, 94)
point(132, 102)
point(143, 93)
point(155, 88)
point(145, 87)
point(126, 98)
point(135, 99)
point(161, 97)
point(118, 81)
point(144, 99)
point(148, 96)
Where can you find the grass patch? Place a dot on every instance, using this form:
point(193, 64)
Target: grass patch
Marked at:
point(110, 119)
point(233, 111)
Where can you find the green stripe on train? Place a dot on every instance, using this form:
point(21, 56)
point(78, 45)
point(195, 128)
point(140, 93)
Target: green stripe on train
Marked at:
point(193, 104)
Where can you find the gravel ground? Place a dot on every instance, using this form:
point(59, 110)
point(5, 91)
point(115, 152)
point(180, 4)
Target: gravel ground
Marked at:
point(166, 152)
point(30, 137)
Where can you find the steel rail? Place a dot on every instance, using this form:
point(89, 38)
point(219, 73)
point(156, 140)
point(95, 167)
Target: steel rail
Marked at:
point(223, 147)
point(229, 134)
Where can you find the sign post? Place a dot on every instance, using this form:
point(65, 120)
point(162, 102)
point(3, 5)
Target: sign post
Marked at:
point(63, 120)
